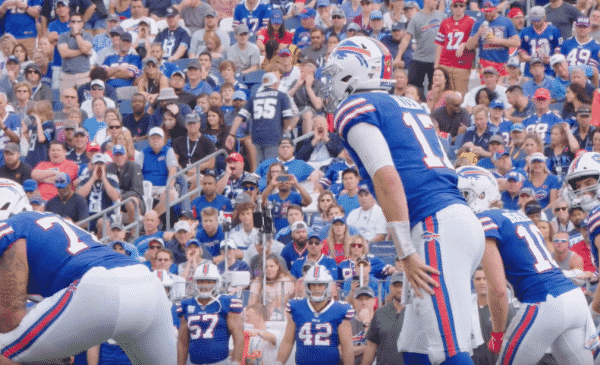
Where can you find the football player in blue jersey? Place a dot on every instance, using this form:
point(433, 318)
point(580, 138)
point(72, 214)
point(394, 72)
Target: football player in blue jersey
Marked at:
point(91, 293)
point(208, 321)
point(393, 142)
point(318, 324)
point(554, 311)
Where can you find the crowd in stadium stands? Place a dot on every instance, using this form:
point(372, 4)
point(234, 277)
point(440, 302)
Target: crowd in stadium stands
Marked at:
point(103, 101)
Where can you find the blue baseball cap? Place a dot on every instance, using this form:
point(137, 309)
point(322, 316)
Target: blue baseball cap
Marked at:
point(322, 3)
point(118, 149)
point(338, 219)
point(62, 181)
point(193, 241)
point(489, 5)
point(517, 127)
point(498, 155)
point(314, 235)
point(30, 185)
point(36, 199)
point(239, 95)
point(515, 176)
point(308, 13)
point(376, 15)
point(496, 103)
point(276, 17)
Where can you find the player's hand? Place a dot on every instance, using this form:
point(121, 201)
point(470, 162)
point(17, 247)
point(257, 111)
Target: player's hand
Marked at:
point(229, 142)
point(173, 108)
point(420, 275)
point(495, 342)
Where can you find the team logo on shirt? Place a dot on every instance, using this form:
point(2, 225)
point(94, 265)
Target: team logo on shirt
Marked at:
point(434, 23)
point(191, 308)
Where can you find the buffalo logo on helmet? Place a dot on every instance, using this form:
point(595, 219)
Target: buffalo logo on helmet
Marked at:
point(352, 49)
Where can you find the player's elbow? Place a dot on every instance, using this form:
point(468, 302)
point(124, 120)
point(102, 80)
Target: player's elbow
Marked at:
point(498, 293)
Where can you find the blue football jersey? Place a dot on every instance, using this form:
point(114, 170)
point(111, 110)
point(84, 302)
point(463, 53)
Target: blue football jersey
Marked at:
point(581, 54)
point(58, 252)
point(528, 265)
point(542, 125)
point(347, 268)
point(207, 324)
point(255, 19)
point(317, 337)
point(540, 44)
point(428, 176)
point(324, 260)
point(594, 229)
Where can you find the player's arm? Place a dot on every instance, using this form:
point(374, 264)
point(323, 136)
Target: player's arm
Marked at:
point(93, 355)
point(497, 291)
point(287, 343)
point(402, 48)
point(183, 342)
point(595, 306)
point(345, 336)
point(369, 353)
point(14, 271)
point(372, 149)
point(236, 328)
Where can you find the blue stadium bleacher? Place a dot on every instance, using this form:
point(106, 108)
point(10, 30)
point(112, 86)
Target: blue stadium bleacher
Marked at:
point(125, 107)
point(56, 103)
point(383, 249)
point(182, 63)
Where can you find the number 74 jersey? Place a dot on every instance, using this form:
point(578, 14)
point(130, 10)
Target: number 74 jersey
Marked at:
point(317, 337)
point(528, 265)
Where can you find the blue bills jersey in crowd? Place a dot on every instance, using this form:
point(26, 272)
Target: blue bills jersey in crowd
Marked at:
point(255, 19)
point(542, 125)
point(540, 44)
point(501, 27)
point(581, 54)
point(317, 332)
point(528, 265)
point(133, 64)
point(332, 180)
point(207, 324)
point(58, 252)
point(594, 229)
point(347, 268)
point(416, 150)
point(324, 260)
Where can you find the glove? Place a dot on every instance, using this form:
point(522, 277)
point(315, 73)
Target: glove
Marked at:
point(495, 342)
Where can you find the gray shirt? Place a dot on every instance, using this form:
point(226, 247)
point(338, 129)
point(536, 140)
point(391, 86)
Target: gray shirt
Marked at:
point(424, 29)
point(384, 332)
point(245, 58)
point(193, 17)
point(78, 64)
point(197, 44)
point(314, 55)
point(563, 18)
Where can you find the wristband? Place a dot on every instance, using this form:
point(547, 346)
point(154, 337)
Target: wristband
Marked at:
point(400, 234)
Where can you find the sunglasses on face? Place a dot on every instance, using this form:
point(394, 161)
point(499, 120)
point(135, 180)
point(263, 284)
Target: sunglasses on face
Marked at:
point(153, 247)
point(114, 127)
point(97, 88)
point(359, 245)
point(32, 71)
point(249, 188)
point(560, 209)
point(336, 17)
point(314, 243)
point(561, 240)
point(458, 5)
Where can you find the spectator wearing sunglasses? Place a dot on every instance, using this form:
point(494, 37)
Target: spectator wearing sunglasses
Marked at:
point(561, 221)
point(567, 260)
point(314, 250)
point(363, 277)
point(97, 88)
point(514, 184)
point(358, 249)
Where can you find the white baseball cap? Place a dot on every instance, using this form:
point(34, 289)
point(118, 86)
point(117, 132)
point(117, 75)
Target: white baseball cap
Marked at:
point(156, 130)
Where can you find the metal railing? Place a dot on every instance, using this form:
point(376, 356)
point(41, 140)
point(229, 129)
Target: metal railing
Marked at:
point(182, 172)
point(110, 210)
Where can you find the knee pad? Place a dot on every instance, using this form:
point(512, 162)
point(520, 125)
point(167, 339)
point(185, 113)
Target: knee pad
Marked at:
point(461, 358)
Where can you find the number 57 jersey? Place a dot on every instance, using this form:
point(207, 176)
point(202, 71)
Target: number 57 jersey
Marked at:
point(58, 252)
point(317, 337)
point(429, 179)
point(528, 265)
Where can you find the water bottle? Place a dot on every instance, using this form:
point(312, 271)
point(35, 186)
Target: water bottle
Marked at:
point(488, 34)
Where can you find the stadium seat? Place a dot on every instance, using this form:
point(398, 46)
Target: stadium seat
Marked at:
point(56, 103)
point(292, 23)
point(182, 63)
point(251, 78)
point(383, 249)
point(126, 92)
point(125, 107)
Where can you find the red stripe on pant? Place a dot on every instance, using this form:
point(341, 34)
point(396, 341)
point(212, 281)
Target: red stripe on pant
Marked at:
point(41, 324)
point(439, 296)
point(512, 346)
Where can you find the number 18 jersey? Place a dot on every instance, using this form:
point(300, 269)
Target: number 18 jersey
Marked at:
point(429, 179)
point(58, 252)
point(528, 265)
point(317, 337)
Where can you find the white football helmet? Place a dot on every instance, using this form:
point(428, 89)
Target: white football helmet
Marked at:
point(13, 199)
point(584, 166)
point(165, 278)
point(356, 63)
point(318, 274)
point(478, 186)
point(207, 271)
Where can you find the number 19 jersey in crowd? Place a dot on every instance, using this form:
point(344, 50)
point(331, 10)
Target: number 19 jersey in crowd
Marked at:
point(554, 311)
point(317, 337)
point(444, 230)
point(58, 252)
point(207, 325)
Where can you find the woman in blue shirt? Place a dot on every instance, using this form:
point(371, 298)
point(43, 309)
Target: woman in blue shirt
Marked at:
point(562, 149)
point(544, 184)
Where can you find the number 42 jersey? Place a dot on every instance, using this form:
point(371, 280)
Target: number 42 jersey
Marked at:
point(429, 179)
point(317, 337)
point(528, 265)
point(58, 252)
